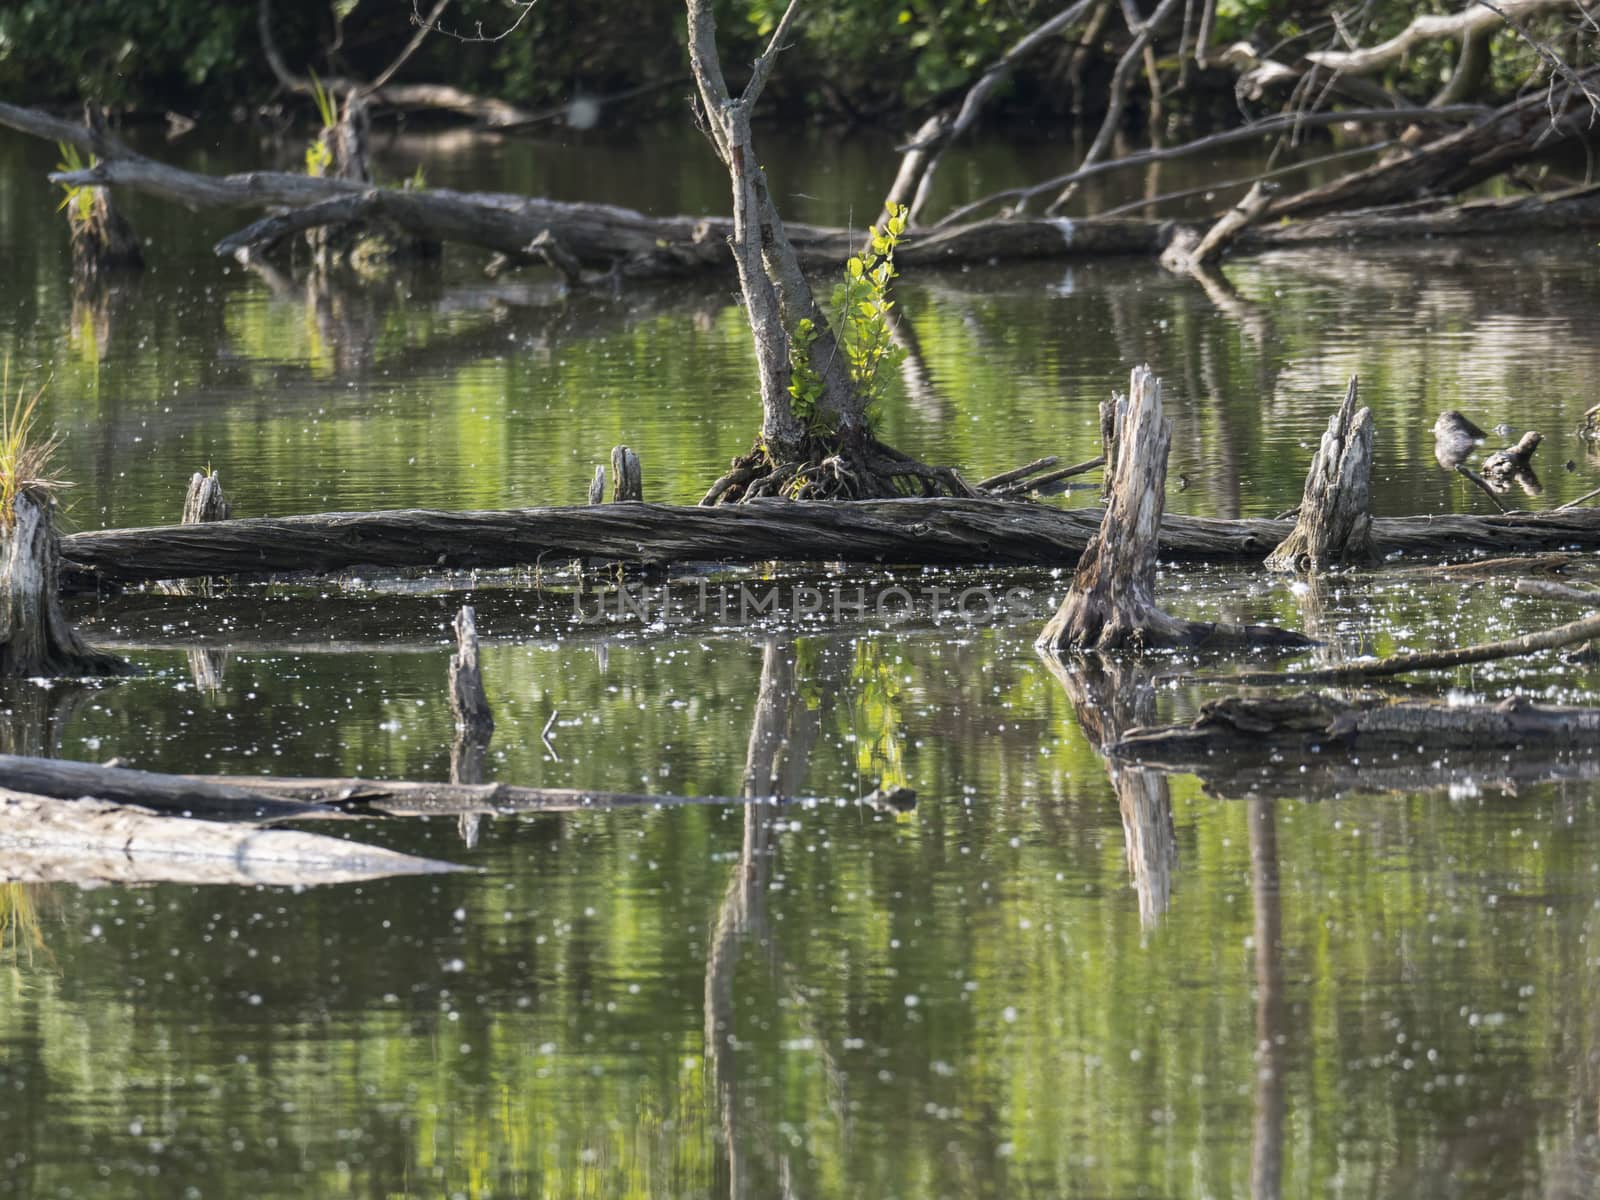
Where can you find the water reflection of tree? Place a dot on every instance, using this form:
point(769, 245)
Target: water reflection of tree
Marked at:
point(782, 734)
point(1109, 697)
point(1272, 1025)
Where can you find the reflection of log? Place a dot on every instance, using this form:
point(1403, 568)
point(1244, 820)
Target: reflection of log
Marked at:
point(931, 531)
point(1111, 603)
point(1311, 744)
point(92, 841)
point(1334, 524)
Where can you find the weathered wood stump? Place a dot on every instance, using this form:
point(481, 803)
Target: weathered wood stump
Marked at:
point(628, 480)
point(204, 501)
point(35, 637)
point(101, 238)
point(1335, 524)
point(597, 486)
point(1111, 603)
point(474, 720)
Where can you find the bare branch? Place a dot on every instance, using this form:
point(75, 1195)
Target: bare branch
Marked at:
point(763, 65)
point(423, 28)
point(1478, 16)
point(428, 24)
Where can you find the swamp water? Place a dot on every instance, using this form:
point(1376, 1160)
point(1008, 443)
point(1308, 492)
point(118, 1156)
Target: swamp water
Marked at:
point(1041, 981)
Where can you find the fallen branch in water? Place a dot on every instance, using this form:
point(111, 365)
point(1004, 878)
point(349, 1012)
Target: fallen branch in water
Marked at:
point(1569, 634)
point(1314, 744)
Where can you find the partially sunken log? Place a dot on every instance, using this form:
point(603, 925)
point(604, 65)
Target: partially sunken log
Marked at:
point(1315, 744)
point(1334, 524)
point(35, 637)
point(924, 531)
point(168, 793)
point(88, 841)
point(1111, 603)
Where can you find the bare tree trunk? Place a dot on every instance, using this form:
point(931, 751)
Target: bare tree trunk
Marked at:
point(775, 292)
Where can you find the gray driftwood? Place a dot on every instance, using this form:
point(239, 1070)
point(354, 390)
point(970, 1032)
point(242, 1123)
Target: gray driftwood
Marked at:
point(1334, 524)
point(91, 841)
point(1111, 603)
point(934, 531)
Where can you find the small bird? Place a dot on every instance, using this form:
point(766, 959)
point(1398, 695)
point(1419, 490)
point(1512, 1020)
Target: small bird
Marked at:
point(1514, 464)
point(1454, 438)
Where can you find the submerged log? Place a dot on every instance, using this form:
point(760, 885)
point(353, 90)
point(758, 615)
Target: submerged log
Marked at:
point(35, 635)
point(87, 841)
point(167, 793)
point(932, 531)
point(1111, 603)
point(1314, 744)
point(1334, 524)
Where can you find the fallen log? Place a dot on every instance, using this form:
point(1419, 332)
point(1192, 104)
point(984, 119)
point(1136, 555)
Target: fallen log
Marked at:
point(91, 841)
point(62, 780)
point(412, 798)
point(607, 238)
point(931, 531)
point(1571, 634)
point(1315, 744)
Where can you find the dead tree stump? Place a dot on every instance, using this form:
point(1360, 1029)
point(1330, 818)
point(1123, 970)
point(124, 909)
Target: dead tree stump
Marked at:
point(597, 486)
point(1111, 603)
point(102, 239)
point(1335, 524)
point(35, 637)
point(205, 501)
point(628, 481)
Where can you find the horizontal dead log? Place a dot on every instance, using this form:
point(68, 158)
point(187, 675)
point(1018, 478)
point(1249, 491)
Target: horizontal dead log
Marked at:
point(409, 798)
point(1314, 744)
point(64, 780)
point(49, 840)
point(1559, 212)
point(941, 531)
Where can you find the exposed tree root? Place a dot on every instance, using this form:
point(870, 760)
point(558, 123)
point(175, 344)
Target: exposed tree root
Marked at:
point(835, 467)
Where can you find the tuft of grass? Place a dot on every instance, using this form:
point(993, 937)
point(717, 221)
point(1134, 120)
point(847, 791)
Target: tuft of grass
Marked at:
point(27, 460)
point(79, 199)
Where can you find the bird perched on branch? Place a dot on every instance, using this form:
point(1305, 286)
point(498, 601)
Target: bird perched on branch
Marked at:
point(1454, 439)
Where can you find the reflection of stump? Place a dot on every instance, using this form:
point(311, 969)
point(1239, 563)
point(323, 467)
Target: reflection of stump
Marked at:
point(1108, 700)
point(474, 720)
point(1111, 603)
point(208, 667)
point(35, 636)
point(1334, 523)
point(34, 719)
